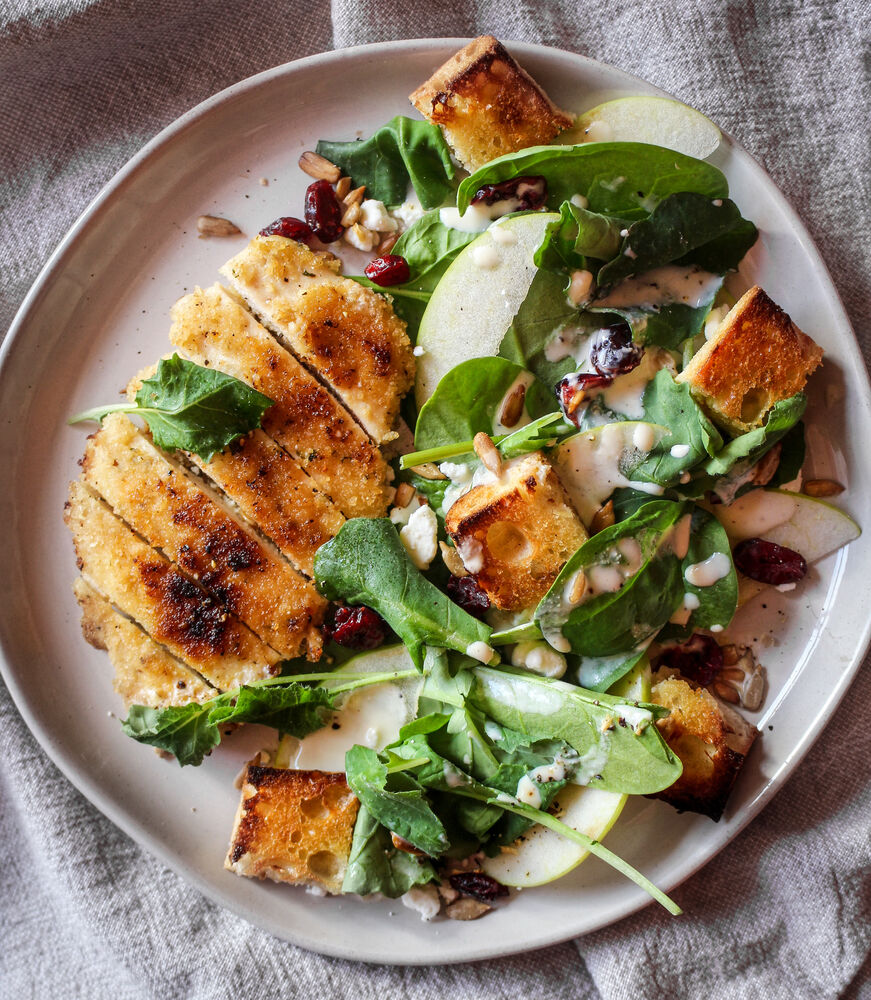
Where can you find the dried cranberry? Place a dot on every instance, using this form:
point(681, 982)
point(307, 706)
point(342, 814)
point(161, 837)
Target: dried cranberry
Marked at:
point(391, 269)
point(612, 351)
point(287, 225)
point(464, 590)
point(572, 390)
point(528, 192)
point(698, 659)
point(478, 885)
point(323, 212)
point(769, 562)
point(356, 628)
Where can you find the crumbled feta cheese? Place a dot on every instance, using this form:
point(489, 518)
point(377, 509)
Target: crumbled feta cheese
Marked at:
point(407, 213)
point(374, 216)
point(424, 899)
point(418, 352)
point(361, 238)
point(420, 536)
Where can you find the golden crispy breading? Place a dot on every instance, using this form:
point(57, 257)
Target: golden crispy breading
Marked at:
point(171, 510)
point(348, 334)
point(173, 610)
point(211, 328)
point(293, 826)
point(272, 490)
point(711, 740)
point(516, 533)
point(757, 357)
point(487, 105)
point(145, 673)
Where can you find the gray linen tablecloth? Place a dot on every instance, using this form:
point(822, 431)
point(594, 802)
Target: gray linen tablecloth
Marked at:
point(785, 911)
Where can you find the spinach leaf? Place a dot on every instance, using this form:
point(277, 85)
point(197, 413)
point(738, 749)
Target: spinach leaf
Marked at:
point(750, 447)
point(686, 227)
point(467, 400)
point(429, 247)
point(576, 235)
point(545, 432)
point(718, 602)
point(610, 622)
point(375, 865)
point(667, 326)
point(366, 563)
point(403, 150)
point(190, 407)
point(395, 800)
point(628, 757)
point(543, 313)
point(791, 456)
point(191, 731)
point(598, 673)
point(617, 178)
point(671, 404)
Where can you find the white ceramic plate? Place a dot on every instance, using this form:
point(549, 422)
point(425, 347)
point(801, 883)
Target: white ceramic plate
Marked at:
point(99, 312)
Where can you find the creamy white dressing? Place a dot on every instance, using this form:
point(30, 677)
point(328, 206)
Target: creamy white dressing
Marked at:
point(487, 258)
point(644, 437)
point(707, 573)
point(501, 235)
point(480, 651)
point(626, 393)
point(679, 450)
point(634, 716)
point(528, 793)
point(593, 762)
point(568, 342)
point(663, 286)
point(683, 613)
point(478, 217)
point(538, 657)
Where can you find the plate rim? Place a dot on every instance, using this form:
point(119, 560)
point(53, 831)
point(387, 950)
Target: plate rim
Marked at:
point(79, 776)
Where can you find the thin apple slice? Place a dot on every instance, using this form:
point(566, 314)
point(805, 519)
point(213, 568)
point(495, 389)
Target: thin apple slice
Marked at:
point(477, 298)
point(657, 120)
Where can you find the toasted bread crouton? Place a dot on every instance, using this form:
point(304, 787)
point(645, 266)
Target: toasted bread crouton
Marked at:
point(757, 357)
point(347, 334)
point(211, 328)
point(711, 739)
point(145, 673)
point(173, 511)
point(293, 826)
point(486, 105)
point(517, 532)
point(169, 606)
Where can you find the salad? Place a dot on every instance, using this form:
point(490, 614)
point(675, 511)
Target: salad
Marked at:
point(599, 462)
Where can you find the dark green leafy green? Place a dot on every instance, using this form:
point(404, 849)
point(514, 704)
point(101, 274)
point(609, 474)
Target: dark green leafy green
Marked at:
point(395, 800)
point(577, 235)
point(670, 404)
point(791, 456)
point(375, 865)
point(620, 621)
point(625, 179)
point(598, 673)
point(189, 407)
point(718, 602)
point(403, 150)
point(366, 563)
point(688, 228)
point(667, 326)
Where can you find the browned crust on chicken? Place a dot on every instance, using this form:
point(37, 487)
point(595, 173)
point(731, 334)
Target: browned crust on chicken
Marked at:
point(212, 329)
point(711, 741)
point(169, 509)
point(521, 528)
point(757, 357)
point(174, 611)
point(487, 105)
point(346, 333)
point(293, 826)
point(145, 673)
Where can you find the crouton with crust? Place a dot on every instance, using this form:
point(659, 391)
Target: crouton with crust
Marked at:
point(347, 334)
point(711, 739)
point(516, 532)
point(145, 673)
point(757, 357)
point(486, 105)
point(294, 827)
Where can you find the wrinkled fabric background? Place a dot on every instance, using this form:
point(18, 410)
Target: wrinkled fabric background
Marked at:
point(785, 911)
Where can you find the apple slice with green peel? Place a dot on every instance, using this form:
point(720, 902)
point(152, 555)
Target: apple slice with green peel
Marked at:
point(660, 121)
point(589, 463)
point(804, 524)
point(477, 298)
point(542, 855)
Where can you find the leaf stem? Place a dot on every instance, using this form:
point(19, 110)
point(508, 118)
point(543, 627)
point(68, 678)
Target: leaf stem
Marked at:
point(98, 412)
point(519, 633)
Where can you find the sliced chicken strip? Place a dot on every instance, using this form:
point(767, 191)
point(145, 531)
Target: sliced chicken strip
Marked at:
point(145, 673)
point(172, 609)
point(273, 491)
point(346, 333)
point(211, 328)
point(165, 504)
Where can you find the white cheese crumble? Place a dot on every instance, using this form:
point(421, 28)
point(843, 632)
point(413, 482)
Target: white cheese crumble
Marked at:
point(480, 651)
point(424, 899)
point(420, 536)
point(374, 216)
point(361, 238)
